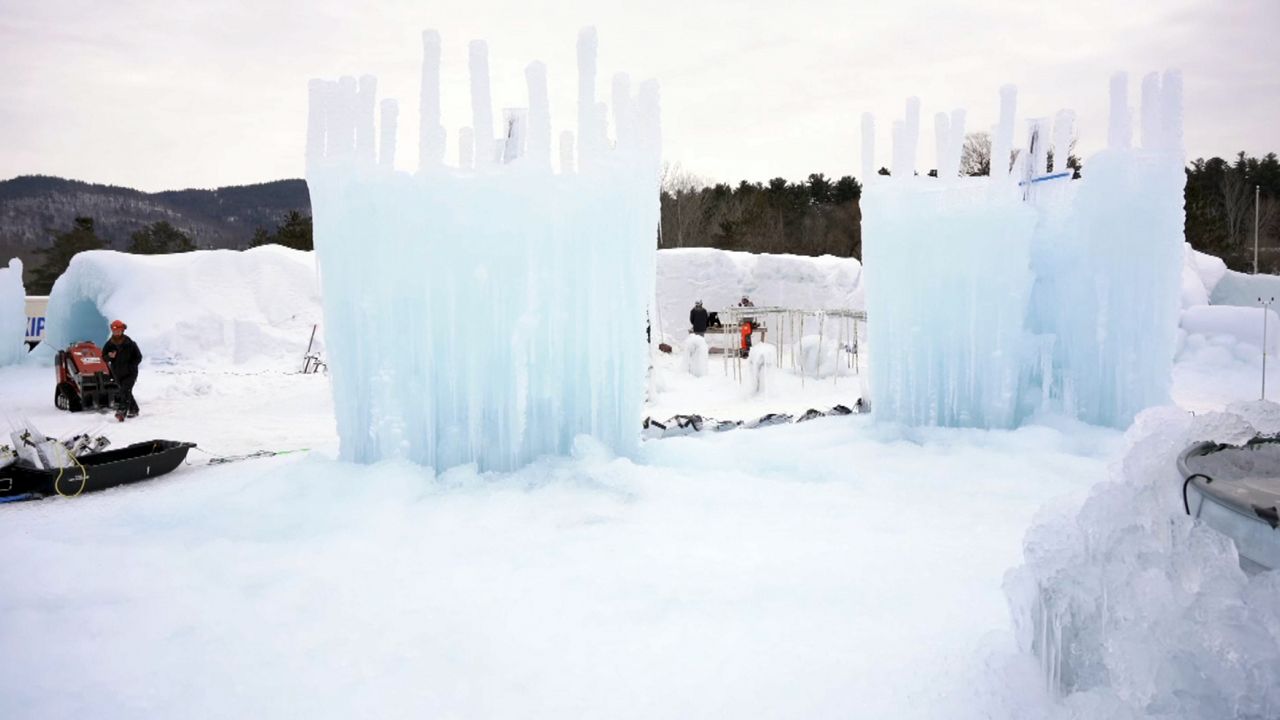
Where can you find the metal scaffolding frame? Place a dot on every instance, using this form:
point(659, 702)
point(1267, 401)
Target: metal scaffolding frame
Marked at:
point(789, 324)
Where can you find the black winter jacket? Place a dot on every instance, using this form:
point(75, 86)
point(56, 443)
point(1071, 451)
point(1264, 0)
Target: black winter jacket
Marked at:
point(698, 319)
point(123, 358)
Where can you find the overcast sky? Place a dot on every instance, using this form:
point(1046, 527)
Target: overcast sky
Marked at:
point(172, 94)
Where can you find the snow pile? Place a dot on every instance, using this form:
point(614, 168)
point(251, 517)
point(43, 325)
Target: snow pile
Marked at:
point(1220, 332)
point(1201, 274)
point(1134, 609)
point(207, 307)
point(490, 313)
point(719, 278)
point(995, 298)
point(1243, 289)
point(823, 357)
point(13, 314)
point(1244, 325)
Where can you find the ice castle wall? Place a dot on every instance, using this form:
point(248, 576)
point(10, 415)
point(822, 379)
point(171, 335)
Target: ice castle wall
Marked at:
point(487, 315)
point(992, 299)
point(13, 314)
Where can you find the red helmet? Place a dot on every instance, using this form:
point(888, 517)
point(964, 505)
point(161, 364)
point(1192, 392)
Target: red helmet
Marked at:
point(117, 325)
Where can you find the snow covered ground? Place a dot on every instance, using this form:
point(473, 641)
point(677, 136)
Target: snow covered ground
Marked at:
point(834, 568)
point(837, 568)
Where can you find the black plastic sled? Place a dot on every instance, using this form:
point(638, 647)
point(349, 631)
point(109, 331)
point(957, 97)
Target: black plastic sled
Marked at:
point(95, 471)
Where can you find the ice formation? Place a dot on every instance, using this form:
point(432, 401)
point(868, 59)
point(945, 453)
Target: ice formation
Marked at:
point(696, 354)
point(13, 314)
point(992, 299)
point(492, 312)
point(1136, 610)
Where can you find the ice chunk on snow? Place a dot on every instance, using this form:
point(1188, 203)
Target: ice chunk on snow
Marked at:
point(490, 315)
point(695, 355)
point(763, 361)
point(13, 314)
point(1128, 600)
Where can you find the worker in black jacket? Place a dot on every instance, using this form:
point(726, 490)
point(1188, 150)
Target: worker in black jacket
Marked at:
point(123, 357)
point(698, 318)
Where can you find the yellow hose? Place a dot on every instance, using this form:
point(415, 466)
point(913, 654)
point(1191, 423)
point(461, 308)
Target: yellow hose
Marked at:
point(84, 478)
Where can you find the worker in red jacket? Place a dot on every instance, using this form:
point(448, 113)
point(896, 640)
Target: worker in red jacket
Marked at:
point(123, 357)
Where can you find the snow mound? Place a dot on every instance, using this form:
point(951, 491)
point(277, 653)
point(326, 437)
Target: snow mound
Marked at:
point(13, 314)
point(719, 278)
point(1209, 268)
point(1236, 288)
point(1134, 607)
point(205, 307)
point(1243, 324)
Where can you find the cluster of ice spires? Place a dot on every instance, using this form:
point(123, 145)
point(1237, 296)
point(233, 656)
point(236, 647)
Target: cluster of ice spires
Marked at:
point(991, 299)
point(488, 312)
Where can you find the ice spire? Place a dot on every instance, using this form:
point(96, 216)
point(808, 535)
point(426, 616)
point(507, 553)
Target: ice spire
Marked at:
point(539, 139)
point(389, 113)
point(431, 134)
point(481, 105)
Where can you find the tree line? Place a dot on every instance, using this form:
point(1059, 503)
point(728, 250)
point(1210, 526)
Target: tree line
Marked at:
point(158, 238)
point(818, 216)
point(1223, 200)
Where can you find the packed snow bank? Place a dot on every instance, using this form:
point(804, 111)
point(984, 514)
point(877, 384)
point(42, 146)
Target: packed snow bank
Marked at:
point(1237, 288)
point(719, 278)
point(1201, 274)
point(1136, 610)
point(13, 314)
point(1243, 324)
point(205, 307)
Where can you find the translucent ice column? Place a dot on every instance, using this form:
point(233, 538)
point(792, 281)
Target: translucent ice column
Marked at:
point(991, 299)
point(13, 314)
point(1107, 271)
point(947, 273)
point(490, 313)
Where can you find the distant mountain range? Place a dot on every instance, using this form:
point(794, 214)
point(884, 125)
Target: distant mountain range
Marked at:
point(34, 207)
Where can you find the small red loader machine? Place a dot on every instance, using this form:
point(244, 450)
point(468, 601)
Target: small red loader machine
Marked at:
point(84, 379)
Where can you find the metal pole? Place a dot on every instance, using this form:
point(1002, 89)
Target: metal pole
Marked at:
point(1266, 310)
point(1256, 191)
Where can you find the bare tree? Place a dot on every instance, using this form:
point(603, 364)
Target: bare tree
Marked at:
point(685, 202)
point(1237, 209)
point(975, 156)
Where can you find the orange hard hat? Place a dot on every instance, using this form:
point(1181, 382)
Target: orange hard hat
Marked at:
point(117, 325)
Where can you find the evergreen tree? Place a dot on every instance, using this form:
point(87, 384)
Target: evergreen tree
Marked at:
point(820, 189)
point(294, 233)
point(160, 238)
point(57, 257)
point(847, 189)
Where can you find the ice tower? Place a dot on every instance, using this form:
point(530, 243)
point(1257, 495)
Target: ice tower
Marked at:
point(990, 299)
point(491, 312)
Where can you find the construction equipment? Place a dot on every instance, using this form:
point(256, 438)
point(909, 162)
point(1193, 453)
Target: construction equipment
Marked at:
point(84, 379)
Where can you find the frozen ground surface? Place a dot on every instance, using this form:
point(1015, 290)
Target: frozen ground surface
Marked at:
point(831, 569)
